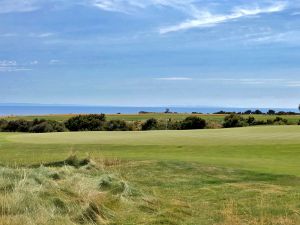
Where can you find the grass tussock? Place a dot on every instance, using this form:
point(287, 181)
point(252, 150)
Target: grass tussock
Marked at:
point(70, 192)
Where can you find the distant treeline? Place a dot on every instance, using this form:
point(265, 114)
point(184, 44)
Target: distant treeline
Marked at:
point(247, 112)
point(98, 122)
point(258, 112)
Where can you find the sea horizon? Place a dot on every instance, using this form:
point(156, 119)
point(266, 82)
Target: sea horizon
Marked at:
point(25, 109)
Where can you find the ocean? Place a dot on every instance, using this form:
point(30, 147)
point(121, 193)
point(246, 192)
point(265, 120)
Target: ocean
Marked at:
point(10, 110)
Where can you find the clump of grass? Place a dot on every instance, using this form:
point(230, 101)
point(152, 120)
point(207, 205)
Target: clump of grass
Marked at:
point(70, 193)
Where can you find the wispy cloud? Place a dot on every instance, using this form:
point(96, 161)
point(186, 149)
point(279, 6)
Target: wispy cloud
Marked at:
point(284, 37)
point(41, 35)
point(131, 6)
point(206, 19)
point(54, 62)
point(295, 84)
point(11, 66)
point(251, 82)
point(174, 78)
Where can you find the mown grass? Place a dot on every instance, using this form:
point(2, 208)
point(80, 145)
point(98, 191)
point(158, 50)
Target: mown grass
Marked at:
point(274, 149)
point(293, 119)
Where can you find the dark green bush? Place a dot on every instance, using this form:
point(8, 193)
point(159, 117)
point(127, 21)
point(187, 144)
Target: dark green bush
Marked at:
point(234, 120)
point(17, 126)
point(280, 121)
point(35, 126)
point(92, 122)
point(117, 125)
point(251, 121)
point(193, 122)
point(150, 124)
point(46, 126)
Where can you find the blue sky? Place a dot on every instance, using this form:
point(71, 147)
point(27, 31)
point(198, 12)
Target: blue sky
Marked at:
point(237, 53)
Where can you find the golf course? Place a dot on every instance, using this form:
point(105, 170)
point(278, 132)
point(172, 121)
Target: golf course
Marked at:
point(247, 175)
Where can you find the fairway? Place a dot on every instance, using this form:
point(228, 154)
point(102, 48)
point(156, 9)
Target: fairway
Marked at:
point(236, 136)
point(273, 149)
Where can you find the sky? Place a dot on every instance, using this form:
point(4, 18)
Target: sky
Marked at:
point(228, 53)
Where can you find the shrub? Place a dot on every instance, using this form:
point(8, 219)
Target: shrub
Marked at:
point(173, 124)
point(234, 120)
point(3, 124)
point(150, 124)
point(280, 121)
point(45, 126)
point(251, 121)
point(117, 125)
point(92, 122)
point(193, 122)
point(17, 126)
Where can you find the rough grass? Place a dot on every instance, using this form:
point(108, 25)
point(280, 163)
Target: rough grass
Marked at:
point(148, 192)
point(294, 119)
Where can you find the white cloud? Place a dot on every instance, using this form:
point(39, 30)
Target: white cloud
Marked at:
point(11, 66)
point(129, 6)
point(174, 78)
point(41, 35)
point(206, 19)
point(293, 84)
point(54, 61)
point(7, 63)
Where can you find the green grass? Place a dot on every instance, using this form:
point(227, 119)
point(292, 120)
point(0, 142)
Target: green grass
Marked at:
point(206, 177)
point(294, 119)
point(273, 149)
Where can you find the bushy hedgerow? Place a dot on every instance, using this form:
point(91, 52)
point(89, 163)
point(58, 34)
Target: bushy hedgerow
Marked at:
point(234, 120)
point(193, 122)
point(280, 121)
point(17, 126)
point(117, 125)
point(46, 126)
point(92, 122)
point(35, 126)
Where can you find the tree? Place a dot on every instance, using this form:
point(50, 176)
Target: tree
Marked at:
point(271, 112)
point(167, 110)
point(257, 112)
